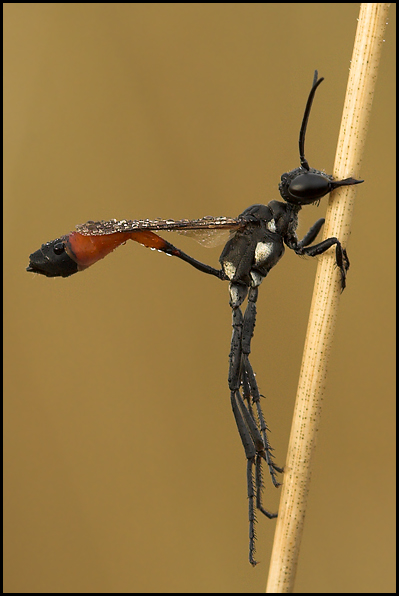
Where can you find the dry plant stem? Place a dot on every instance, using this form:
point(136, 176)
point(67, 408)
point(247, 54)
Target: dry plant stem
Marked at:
point(352, 136)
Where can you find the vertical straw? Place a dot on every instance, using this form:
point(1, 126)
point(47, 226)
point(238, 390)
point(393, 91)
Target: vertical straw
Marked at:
point(352, 137)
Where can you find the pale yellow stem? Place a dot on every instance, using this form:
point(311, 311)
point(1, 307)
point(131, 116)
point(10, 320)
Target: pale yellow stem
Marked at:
point(352, 137)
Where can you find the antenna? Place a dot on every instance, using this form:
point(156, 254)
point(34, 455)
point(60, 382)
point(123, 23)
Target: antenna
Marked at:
point(302, 132)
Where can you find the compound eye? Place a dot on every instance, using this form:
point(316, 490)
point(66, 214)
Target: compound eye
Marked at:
point(308, 188)
point(59, 248)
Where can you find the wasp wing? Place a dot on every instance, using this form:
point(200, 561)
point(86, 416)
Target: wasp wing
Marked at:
point(205, 224)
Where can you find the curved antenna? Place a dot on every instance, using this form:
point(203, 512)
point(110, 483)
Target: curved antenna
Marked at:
point(302, 132)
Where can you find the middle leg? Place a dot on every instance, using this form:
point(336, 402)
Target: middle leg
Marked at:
point(251, 425)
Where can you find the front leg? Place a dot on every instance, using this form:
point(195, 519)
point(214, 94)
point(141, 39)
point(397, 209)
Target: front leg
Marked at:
point(302, 248)
point(312, 234)
point(341, 257)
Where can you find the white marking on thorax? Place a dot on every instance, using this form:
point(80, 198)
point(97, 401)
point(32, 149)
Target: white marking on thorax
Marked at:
point(229, 269)
point(262, 251)
point(257, 278)
point(271, 225)
point(234, 294)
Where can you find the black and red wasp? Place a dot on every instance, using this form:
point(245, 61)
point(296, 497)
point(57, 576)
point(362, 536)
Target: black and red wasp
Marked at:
point(256, 244)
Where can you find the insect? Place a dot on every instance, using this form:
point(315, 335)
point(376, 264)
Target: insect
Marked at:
point(256, 244)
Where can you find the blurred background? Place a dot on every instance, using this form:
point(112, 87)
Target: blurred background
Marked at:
point(123, 468)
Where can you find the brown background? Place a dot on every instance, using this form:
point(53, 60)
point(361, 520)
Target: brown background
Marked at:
point(124, 471)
